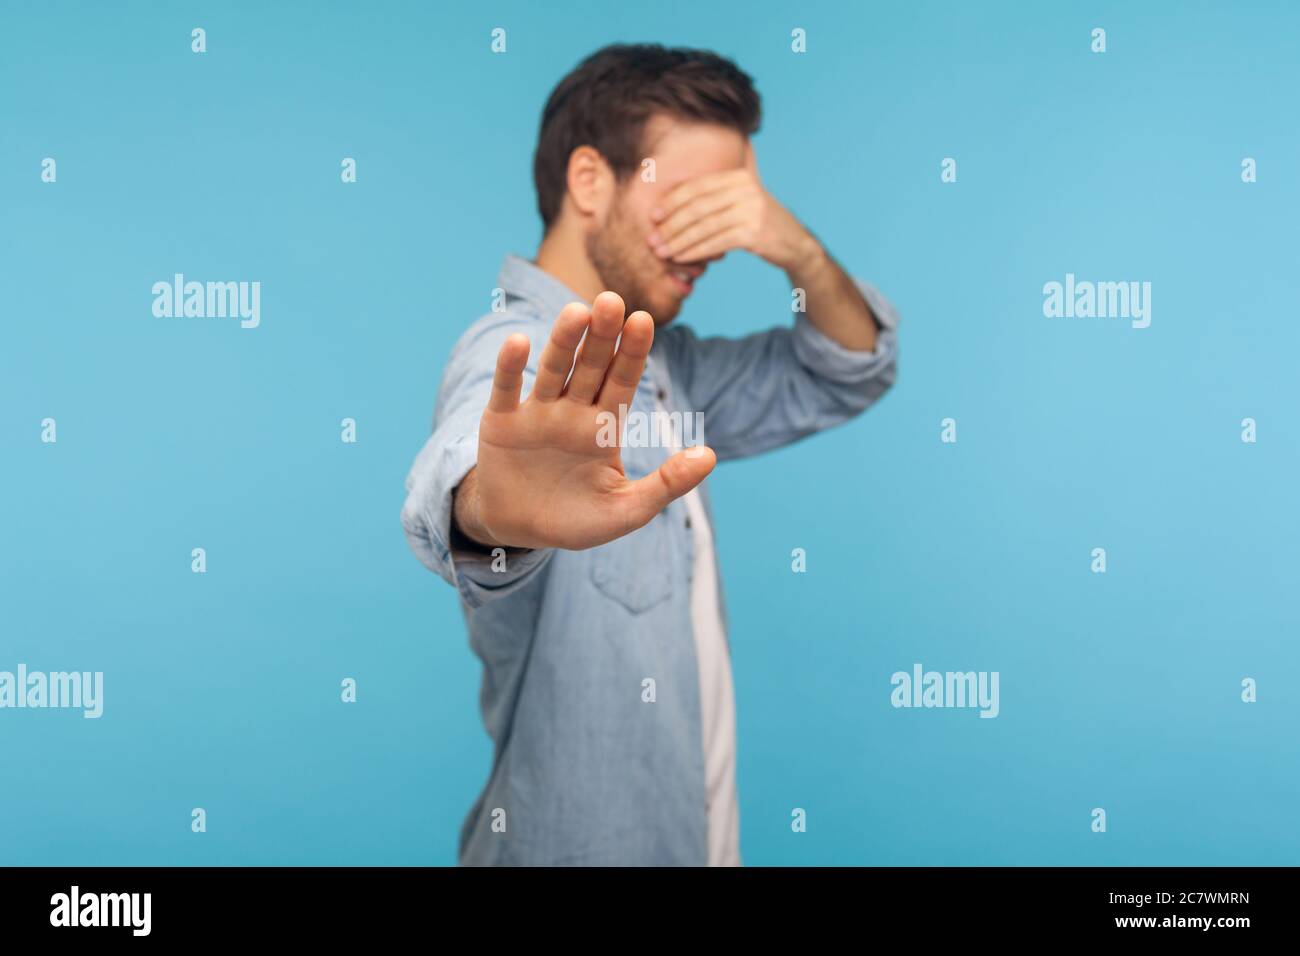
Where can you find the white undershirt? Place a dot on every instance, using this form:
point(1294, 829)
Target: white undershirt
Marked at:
point(717, 694)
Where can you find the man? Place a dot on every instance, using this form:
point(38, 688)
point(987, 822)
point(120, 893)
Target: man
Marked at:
point(586, 566)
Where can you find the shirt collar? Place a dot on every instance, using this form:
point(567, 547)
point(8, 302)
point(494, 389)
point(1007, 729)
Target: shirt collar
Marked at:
point(519, 277)
point(526, 280)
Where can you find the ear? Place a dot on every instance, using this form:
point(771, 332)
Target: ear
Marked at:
point(590, 181)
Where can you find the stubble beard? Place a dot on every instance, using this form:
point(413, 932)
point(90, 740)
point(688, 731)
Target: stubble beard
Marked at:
point(626, 264)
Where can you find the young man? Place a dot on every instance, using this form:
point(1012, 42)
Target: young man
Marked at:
point(586, 567)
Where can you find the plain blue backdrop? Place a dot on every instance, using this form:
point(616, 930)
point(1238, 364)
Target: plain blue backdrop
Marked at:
point(1119, 691)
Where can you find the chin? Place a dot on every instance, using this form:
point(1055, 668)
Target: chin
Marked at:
point(664, 312)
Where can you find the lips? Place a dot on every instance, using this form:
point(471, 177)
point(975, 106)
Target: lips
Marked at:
point(683, 278)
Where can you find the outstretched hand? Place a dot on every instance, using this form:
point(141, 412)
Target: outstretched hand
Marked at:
point(543, 479)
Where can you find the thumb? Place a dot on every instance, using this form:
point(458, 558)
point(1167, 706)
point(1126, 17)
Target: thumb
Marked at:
point(675, 477)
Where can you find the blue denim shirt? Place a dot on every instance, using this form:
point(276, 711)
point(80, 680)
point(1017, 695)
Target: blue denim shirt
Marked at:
point(584, 770)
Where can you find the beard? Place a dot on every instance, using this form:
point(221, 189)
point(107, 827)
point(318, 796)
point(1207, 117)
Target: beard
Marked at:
point(627, 265)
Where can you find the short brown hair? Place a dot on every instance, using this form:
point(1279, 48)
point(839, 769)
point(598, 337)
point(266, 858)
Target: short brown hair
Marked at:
point(605, 102)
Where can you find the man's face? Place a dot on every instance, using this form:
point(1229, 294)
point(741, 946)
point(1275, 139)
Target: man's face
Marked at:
point(618, 248)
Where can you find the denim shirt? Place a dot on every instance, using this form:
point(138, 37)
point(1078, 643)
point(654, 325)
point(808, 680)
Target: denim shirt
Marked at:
point(586, 769)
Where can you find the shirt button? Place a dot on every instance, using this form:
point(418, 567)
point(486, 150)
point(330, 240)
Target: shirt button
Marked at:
point(688, 521)
point(662, 394)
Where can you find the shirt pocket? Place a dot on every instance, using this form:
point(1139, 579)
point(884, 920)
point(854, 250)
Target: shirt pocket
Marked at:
point(636, 569)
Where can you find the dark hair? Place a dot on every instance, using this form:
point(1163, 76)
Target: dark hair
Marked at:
point(605, 102)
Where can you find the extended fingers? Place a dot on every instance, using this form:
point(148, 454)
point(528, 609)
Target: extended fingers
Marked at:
point(557, 357)
point(509, 376)
point(626, 368)
point(597, 348)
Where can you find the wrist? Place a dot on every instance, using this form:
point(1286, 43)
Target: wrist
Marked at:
point(807, 257)
point(466, 523)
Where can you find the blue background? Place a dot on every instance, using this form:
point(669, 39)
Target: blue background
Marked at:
point(1119, 691)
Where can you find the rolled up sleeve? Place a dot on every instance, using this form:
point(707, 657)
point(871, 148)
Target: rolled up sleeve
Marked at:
point(447, 457)
point(819, 353)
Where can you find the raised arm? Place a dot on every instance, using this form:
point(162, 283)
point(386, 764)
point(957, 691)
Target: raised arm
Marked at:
point(770, 388)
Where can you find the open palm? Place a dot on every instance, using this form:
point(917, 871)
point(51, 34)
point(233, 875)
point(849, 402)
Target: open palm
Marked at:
point(544, 478)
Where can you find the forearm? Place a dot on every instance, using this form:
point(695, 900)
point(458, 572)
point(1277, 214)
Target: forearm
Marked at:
point(833, 303)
